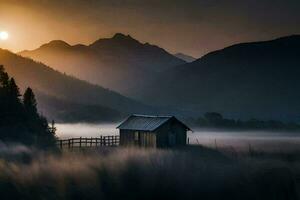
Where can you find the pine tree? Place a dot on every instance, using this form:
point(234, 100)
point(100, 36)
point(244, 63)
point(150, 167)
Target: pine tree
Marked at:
point(4, 78)
point(29, 102)
point(20, 121)
point(43, 137)
point(13, 91)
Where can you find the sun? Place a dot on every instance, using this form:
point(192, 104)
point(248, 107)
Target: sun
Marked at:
point(4, 35)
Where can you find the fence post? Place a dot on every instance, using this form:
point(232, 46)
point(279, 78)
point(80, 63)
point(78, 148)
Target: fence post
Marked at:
point(72, 144)
point(109, 140)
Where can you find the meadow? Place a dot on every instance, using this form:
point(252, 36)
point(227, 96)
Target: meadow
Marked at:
point(194, 172)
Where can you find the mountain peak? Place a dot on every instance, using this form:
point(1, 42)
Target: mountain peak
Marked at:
point(56, 44)
point(118, 40)
point(122, 36)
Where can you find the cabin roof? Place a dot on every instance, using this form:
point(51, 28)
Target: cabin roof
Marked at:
point(146, 122)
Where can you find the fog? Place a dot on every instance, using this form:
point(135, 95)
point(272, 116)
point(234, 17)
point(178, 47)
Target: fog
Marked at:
point(239, 140)
point(85, 130)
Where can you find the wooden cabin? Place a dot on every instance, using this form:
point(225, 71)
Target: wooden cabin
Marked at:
point(153, 131)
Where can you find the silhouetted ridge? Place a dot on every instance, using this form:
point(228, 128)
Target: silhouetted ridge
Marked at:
point(244, 80)
point(119, 40)
point(292, 38)
point(270, 49)
point(56, 44)
point(68, 89)
point(109, 62)
point(121, 36)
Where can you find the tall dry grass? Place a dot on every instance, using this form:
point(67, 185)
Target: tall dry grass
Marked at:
point(128, 173)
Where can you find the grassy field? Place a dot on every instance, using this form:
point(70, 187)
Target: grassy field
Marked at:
point(194, 172)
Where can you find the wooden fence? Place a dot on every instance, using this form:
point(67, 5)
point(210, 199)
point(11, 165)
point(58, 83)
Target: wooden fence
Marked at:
point(81, 142)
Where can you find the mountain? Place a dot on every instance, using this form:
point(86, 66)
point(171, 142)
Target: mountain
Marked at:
point(259, 79)
point(185, 57)
point(120, 63)
point(71, 92)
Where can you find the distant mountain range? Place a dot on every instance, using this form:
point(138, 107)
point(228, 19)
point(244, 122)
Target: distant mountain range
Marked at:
point(65, 97)
point(259, 79)
point(120, 63)
point(185, 57)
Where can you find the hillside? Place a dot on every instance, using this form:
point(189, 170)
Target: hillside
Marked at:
point(259, 79)
point(120, 63)
point(70, 112)
point(20, 122)
point(47, 81)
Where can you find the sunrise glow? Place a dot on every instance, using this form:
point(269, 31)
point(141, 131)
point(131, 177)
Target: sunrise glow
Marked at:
point(4, 35)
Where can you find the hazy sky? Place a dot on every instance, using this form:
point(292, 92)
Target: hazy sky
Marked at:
point(194, 27)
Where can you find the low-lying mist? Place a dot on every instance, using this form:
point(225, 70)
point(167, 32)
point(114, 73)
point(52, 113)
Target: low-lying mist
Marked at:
point(214, 138)
point(85, 130)
point(271, 141)
point(194, 172)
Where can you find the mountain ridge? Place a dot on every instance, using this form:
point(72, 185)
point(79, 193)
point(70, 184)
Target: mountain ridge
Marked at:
point(243, 81)
point(50, 82)
point(108, 61)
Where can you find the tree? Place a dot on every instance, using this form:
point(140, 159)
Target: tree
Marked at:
point(13, 91)
point(4, 78)
point(20, 120)
point(43, 136)
point(29, 102)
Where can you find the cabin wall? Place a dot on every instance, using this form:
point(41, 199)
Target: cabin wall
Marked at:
point(137, 138)
point(171, 131)
point(127, 137)
point(147, 139)
point(181, 134)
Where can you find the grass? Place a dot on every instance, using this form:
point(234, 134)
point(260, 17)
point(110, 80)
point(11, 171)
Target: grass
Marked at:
point(126, 173)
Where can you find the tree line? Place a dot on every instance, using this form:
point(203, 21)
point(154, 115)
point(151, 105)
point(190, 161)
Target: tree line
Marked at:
point(216, 120)
point(19, 118)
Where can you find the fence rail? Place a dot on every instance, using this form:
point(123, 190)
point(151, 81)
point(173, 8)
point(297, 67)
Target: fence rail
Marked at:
point(88, 142)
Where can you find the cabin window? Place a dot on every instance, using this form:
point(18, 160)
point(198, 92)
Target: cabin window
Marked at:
point(136, 136)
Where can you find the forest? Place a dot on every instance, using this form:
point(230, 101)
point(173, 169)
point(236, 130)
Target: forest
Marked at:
point(20, 121)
